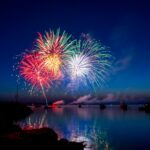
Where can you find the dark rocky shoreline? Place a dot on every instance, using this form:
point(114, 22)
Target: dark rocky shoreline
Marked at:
point(13, 136)
point(44, 137)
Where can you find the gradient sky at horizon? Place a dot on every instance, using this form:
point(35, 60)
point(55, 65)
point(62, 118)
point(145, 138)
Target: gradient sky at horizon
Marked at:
point(124, 26)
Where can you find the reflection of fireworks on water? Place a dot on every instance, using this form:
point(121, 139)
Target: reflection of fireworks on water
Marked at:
point(94, 139)
point(81, 129)
point(35, 122)
point(89, 64)
point(40, 120)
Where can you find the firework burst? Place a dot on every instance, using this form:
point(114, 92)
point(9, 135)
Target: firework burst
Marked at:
point(44, 64)
point(32, 70)
point(54, 49)
point(89, 64)
point(56, 56)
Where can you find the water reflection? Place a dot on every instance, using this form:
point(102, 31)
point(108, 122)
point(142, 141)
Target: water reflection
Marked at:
point(75, 124)
point(99, 130)
point(35, 121)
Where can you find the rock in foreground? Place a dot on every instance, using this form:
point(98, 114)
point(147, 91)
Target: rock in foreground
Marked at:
point(44, 137)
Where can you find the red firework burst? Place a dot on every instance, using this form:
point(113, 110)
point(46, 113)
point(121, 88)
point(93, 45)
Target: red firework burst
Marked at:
point(31, 68)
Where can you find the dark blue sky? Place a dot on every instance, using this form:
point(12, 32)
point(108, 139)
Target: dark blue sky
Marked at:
point(122, 25)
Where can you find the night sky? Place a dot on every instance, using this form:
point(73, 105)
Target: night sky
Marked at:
point(124, 26)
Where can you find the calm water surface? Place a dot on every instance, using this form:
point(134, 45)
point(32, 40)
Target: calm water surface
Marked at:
point(109, 129)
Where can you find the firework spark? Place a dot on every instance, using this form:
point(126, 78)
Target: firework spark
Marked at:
point(53, 63)
point(44, 64)
point(89, 64)
point(54, 48)
point(56, 55)
point(31, 68)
